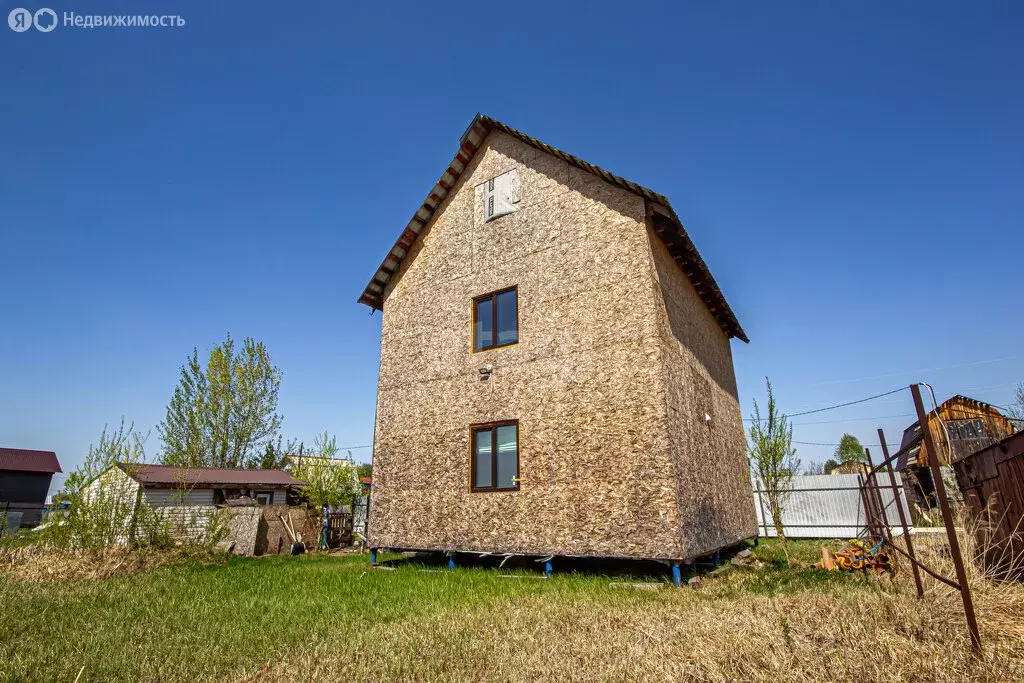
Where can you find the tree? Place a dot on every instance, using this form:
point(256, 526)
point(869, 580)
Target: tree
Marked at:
point(830, 465)
point(113, 447)
point(226, 414)
point(1017, 409)
point(815, 467)
point(773, 457)
point(364, 469)
point(849, 450)
point(274, 456)
point(331, 481)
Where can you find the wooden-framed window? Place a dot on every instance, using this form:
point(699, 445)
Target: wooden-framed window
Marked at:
point(264, 497)
point(494, 457)
point(496, 319)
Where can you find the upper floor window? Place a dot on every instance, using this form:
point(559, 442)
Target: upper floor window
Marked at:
point(500, 195)
point(496, 319)
point(495, 458)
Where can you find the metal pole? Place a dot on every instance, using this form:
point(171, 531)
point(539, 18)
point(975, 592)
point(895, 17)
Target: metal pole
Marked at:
point(876, 492)
point(868, 523)
point(899, 511)
point(947, 518)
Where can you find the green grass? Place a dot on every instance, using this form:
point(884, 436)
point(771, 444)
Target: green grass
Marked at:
point(198, 622)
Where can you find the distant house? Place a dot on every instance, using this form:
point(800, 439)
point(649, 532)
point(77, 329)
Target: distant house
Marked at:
point(25, 477)
point(959, 427)
point(556, 376)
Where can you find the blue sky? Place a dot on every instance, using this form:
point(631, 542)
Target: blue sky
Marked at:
point(851, 172)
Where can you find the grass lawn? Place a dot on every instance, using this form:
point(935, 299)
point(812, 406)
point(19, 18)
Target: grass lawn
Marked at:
point(320, 617)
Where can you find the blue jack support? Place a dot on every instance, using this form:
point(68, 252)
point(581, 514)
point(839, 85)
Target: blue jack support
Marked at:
point(547, 569)
point(451, 563)
point(718, 559)
point(677, 576)
point(373, 557)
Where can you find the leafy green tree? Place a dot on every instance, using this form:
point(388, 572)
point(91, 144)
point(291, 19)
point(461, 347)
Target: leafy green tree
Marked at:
point(849, 450)
point(331, 481)
point(225, 414)
point(364, 469)
point(773, 457)
point(274, 456)
point(830, 465)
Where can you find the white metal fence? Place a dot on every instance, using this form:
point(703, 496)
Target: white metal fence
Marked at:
point(826, 506)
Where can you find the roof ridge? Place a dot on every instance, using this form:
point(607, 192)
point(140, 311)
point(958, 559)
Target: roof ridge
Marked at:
point(668, 226)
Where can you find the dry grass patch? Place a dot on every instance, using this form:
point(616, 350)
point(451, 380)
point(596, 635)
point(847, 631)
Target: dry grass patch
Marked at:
point(32, 563)
point(862, 632)
point(322, 618)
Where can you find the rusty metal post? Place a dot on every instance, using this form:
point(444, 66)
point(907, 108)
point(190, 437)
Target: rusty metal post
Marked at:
point(877, 494)
point(903, 516)
point(947, 518)
point(864, 501)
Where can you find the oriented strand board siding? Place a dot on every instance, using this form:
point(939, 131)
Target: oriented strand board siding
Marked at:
point(715, 504)
point(584, 381)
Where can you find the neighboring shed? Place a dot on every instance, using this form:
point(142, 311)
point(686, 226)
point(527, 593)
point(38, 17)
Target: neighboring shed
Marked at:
point(188, 496)
point(959, 426)
point(992, 483)
point(166, 484)
point(25, 477)
point(556, 376)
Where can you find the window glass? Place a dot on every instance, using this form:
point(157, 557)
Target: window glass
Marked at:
point(483, 333)
point(508, 456)
point(482, 457)
point(507, 309)
point(495, 320)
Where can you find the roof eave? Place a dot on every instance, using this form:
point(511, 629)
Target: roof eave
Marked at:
point(469, 144)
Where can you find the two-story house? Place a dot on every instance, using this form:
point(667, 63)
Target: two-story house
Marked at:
point(556, 377)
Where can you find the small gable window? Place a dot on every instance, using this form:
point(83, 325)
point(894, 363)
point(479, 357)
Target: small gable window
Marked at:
point(496, 319)
point(500, 195)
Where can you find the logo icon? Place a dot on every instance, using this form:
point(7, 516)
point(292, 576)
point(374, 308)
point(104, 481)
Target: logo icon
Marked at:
point(45, 20)
point(20, 19)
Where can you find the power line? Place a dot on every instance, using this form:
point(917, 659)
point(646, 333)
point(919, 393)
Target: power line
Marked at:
point(848, 403)
point(838, 405)
point(854, 419)
point(820, 443)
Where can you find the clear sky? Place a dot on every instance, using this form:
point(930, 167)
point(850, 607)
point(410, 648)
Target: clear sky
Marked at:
point(851, 172)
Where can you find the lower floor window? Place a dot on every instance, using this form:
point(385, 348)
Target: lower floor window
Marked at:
point(494, 464)
point(264, 497)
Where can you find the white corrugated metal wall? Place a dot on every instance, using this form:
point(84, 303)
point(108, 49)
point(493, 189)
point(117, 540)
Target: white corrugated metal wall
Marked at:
point(826, 506)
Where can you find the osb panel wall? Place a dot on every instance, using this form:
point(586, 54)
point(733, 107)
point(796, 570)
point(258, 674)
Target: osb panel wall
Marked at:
point(715, 503)
point(273, 537)
point(584, 381)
